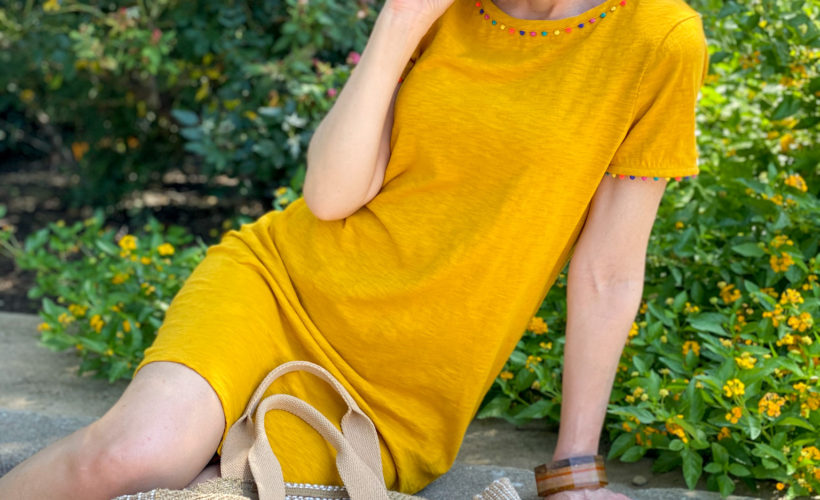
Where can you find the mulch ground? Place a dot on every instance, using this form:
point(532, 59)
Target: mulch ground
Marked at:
point(36, 193)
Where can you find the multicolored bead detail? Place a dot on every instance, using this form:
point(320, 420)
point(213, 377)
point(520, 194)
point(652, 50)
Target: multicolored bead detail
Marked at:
point(556, 32)
point(643, 177)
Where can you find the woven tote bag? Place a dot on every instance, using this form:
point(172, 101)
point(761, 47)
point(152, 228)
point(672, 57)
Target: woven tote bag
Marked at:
point(250, 470)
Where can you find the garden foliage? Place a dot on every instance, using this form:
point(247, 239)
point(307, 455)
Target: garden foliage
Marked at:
point(121, 91)
point(720, 376)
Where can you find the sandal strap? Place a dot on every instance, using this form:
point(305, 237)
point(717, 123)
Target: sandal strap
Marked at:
point(572, 473)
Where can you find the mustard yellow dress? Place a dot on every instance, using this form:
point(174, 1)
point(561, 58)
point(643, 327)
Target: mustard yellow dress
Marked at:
point(503, 130)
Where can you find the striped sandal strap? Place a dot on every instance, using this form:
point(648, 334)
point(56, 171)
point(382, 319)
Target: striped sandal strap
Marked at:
point(570, 474)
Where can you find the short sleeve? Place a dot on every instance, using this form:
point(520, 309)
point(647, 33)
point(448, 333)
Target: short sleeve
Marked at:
point(661, 141)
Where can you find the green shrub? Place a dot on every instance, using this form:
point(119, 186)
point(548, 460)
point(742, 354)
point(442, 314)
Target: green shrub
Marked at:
point(122, 92)
point(105, 296)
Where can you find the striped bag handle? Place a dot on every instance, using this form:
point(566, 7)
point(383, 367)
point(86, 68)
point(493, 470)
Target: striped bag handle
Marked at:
point(247, 455)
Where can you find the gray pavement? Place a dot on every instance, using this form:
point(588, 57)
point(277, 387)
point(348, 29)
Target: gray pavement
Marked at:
point(42, 399)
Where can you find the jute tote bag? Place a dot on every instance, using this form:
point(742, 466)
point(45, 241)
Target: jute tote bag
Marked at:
point(250, 469)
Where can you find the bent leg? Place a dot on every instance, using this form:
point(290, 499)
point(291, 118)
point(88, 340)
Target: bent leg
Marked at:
point(162, 432)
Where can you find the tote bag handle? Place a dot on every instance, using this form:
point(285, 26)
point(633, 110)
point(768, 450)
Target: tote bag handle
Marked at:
point(246, 453)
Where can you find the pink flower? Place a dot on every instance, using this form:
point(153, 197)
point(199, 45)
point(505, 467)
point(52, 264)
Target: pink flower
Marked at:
point(331, 92)
point(155, 36)
point(353, 57)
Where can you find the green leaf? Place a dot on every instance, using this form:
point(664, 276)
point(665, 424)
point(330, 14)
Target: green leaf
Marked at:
point(620, 445)
point(692, 467)
point(708, 322)
point(107, 247)
point(797, 422)
point(713, 468)
point(633, 454)
point(495, 408)
point(787, 107)
point(725, 485)
point(720, 454)
point(644, 416)
point(666, 461)
point(676, 445)
point(536, 410)
point(749, 249)
point(184, 117)
point(739, 470)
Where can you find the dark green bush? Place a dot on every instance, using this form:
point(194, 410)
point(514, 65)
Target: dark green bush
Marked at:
point(120, 92)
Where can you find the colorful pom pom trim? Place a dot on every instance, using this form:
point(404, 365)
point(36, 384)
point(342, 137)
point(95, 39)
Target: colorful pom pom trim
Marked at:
point(568, 29)
point(643, 177)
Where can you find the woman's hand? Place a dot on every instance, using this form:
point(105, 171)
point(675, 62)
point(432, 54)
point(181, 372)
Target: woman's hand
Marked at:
point(424, 11)
point(588, 494)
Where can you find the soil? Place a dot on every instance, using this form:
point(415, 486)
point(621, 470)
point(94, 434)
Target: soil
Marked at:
point(36, 193)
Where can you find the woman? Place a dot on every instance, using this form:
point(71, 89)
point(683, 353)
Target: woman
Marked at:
point(436, 215)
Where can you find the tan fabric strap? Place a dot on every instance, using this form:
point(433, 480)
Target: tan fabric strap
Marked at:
point(246, 452)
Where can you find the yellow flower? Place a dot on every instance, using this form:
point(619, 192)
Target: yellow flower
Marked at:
point(79, 149)
point(250, 115)
point(126, 325)
point(734, 414)
point(791, 296)
point(780, 240)
point(780, 486)
point(781, 264)
point(545, 345)
point(119, 278)
point(51, 6)
point(693, 345)
point(797, 182)
point(537, 325)
point(506, 375)
point(776, 315)
point(810, 452)
point(801, 323)
point(132, 142)
point(746, 361)
point(728, 294)
point(770, 404)
point(690, 309)
point(166, 249)
point(726, 343)
point(633, 330)
point(96, 323)
point(679, 225)
point(128, 242)
point(77, 310)
point(26, 95)
point(536, 385)
point(676, 429)
point(734, 387)
point(787, 139)
point(280, 191)
point(724, 433)
point(145, 260)
point(65, 319)
point(109, 352)
point(43, 327)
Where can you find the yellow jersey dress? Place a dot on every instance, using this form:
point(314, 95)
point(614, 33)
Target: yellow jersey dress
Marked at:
point(503, 130)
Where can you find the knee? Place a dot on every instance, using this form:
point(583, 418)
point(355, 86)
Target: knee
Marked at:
point(128, 461)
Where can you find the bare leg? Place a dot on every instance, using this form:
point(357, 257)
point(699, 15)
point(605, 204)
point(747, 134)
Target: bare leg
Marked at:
point(209, 472)
point(162, 432)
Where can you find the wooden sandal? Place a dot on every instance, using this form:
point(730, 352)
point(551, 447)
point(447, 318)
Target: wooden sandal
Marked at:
point(572, 473)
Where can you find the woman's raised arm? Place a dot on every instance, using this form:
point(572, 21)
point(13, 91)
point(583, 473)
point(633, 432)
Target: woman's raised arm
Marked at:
point(343, 152)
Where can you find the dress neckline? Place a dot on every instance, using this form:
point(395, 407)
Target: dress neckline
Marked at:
point(497, 18)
